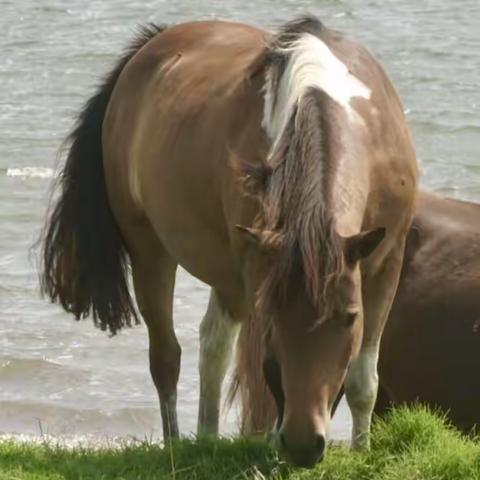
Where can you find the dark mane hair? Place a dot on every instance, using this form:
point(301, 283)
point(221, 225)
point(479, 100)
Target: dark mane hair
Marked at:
point(290, 31)
point(295, 197)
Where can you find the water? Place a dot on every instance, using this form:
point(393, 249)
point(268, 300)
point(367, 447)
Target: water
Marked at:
point(64, 377)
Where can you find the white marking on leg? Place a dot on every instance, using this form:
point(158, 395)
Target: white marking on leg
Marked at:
point(217, 337)
point(311, 64)
point(361, 387)
point(168, 409)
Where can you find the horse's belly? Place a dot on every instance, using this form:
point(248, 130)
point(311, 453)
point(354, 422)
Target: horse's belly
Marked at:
point(196, 248)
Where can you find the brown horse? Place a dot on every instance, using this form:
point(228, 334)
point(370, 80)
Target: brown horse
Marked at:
point(270, 166)
point(430, 349)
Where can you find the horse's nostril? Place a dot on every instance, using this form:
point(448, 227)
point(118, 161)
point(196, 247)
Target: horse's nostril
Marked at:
point(320, 445)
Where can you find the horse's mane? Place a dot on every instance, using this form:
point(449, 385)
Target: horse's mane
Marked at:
point(295, 180)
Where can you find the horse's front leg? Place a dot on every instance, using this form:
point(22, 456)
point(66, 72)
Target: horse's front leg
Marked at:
point(361, 383)
point(217, 336)
point(361, 387)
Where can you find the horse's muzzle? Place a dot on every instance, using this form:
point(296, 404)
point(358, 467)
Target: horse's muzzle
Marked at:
point(305, 455)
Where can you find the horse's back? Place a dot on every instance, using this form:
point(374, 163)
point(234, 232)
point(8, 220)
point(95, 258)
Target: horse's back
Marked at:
point(188, 101)
point(431, 343)
point(443, 242)
point(179, 82)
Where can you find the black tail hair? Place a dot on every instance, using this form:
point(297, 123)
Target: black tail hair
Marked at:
point(85, 262)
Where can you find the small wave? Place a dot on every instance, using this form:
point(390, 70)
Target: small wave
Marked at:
point(36, 377)
point(30, 172)
point(39, 418)
point(16, 366)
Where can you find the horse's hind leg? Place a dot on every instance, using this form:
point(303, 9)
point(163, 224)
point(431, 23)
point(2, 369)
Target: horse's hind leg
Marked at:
point(217, 335)
point(154, 280)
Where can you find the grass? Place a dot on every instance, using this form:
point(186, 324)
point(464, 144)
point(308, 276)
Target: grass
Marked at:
point(407, 445)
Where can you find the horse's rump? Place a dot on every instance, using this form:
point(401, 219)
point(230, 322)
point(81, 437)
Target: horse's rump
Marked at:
point(185, 111)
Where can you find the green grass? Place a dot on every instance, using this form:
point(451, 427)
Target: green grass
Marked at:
point(407, 445)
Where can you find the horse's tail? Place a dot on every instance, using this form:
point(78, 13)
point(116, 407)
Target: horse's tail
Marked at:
point(258, 411)
point(85, 262)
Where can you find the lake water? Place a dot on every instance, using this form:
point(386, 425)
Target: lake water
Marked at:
point(70, 378)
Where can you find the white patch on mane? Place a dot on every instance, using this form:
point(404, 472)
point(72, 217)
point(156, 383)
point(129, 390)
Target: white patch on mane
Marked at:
point(311, 64)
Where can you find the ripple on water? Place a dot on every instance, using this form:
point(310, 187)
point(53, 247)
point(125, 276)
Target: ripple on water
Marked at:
point(37, 417)
point(30, 172)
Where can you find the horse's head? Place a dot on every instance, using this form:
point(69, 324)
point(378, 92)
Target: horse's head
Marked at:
point(311, 337)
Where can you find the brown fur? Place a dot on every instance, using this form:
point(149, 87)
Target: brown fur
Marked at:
point(182, 110)
point(431, 348)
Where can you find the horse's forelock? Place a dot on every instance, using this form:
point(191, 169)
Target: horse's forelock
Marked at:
point(310, 259)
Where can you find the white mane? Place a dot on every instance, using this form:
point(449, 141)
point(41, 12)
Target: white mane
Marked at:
point(311, 64)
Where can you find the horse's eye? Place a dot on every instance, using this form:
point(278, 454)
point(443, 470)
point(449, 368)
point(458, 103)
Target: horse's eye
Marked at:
point(350, 319)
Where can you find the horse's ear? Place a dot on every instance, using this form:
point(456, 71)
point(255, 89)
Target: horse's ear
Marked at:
point(363, 244)
point(253, 176)
point(266, 239)
point(253, 235)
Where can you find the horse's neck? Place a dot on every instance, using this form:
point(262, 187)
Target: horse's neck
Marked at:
point(348, 194)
